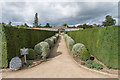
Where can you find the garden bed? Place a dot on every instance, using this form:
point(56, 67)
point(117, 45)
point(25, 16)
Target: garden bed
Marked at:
point(105, 69)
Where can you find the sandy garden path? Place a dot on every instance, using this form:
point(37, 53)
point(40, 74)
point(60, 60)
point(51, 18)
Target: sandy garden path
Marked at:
point(59, 65)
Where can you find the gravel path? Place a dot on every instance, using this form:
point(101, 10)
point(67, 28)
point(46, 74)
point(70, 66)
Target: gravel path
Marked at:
point(60, 65)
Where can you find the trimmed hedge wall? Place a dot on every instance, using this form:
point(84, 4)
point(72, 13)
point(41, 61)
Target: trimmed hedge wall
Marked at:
point(3, 48)
point(18, 38)
point(101, 42)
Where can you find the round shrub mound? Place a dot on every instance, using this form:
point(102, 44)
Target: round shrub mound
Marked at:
point(50, 42)
point(65, 36)
point(37, 49)
point(31, 54)
point(70, 43)
point(77, 48)
point(84, 55)
point(54, 38)
point(57, 36)
point(45, 49)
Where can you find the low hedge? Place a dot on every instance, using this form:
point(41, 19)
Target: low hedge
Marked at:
point(18, 37)
point(101, 42)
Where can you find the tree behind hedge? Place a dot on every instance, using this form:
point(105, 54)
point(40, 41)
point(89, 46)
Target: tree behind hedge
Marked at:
point(109, 21)
point(35, 24)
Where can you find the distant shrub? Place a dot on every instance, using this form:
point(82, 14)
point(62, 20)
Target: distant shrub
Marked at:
point(31, 54)
point(77, 48)
point(84, 55)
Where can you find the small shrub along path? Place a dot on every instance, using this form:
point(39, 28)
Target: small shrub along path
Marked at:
point(59, 65)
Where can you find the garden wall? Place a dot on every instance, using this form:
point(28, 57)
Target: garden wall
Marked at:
point(101, 42)
point(17, 38)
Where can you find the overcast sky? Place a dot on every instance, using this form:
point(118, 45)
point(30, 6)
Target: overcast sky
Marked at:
point(58, 13)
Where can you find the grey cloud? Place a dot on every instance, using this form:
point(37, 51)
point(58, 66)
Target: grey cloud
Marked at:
point(58, 13)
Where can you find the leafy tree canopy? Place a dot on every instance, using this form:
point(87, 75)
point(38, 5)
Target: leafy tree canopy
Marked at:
point(109, 21)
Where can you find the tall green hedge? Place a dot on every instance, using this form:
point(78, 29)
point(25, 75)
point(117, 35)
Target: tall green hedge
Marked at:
point(3, 48)
point(18, 38)
point(101, 42)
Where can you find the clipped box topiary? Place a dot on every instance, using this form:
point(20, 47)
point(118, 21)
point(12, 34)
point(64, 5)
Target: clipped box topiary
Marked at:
point(52, 41)
point(31, 55)
point(70, 43)
point(54, 38)
point(37, 49)
point(65, 36)
point(77, 48)
point(49, 41)
point(57, 36)
point(45, 50)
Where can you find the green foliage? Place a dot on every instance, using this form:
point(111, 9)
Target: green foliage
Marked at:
point(18, 37)
point(82, 63)
point(90, 66)
point(54, 38)
point(47, 25)
point(84, 55)
point(52, 41)
point(49, 41)
point(37, 49)
point(70, 41)
point(31, 55)
point(89, 61)
point(3, 48)
point(44, 49)
point(28, 63)
point(57, 36)
point(101, 42)
point(77, 48)
point(85, 26)
point(36, 20)
point(97, 65)
point(65, 25)
point(109, 21)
